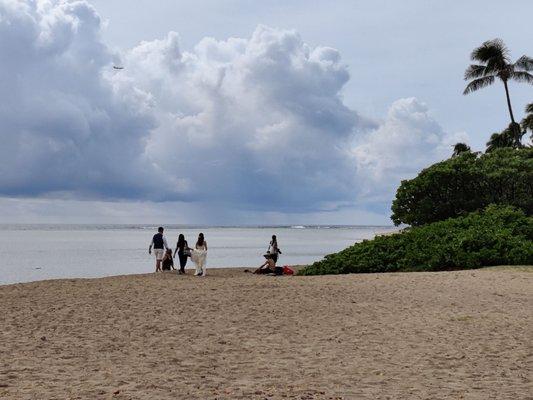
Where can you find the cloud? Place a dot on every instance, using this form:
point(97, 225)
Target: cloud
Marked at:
point(258, 121)
point(408, 140)
point(64, 129)
point(253, 123)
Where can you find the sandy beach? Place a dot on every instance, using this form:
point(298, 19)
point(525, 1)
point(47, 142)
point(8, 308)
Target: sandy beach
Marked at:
point(232, 335)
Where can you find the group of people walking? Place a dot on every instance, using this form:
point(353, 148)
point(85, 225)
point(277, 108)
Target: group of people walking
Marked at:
point(164, 257)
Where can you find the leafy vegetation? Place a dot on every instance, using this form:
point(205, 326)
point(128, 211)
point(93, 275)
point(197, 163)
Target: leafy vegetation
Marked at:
point(509, 137)
point(469, 211)
point(527, 122)
point(466, 183)
point(461, 148)
point(499, 235)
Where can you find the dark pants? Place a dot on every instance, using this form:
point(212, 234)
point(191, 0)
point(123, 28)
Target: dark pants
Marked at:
point(277, 271)
point(274, 257)
point(183, 261)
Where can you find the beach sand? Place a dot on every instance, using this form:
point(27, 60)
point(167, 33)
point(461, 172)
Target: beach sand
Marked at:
point(233, 335)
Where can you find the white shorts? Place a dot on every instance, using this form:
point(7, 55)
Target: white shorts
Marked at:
point(159, 253)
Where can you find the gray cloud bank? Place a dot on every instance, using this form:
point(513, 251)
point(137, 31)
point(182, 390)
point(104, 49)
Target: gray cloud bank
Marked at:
point(256, 123)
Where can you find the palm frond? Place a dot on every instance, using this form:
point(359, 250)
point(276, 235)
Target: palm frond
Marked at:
point(491, 49)
point(513, 134)
point(496, 141)
point(474, 71)
point(529, 108)
point(527, 123)
point(525, 63)
point(460, 148)
point(497, 65)
point(522, 76)
point(509, 137)
point(479, 83)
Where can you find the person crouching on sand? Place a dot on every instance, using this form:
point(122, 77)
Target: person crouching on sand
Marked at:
point(168, 261)
point(269, 266)
point(159, 243)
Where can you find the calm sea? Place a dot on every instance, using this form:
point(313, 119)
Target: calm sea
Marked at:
point(37, 252)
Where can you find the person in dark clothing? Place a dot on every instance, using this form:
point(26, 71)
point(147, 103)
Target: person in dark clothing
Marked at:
point(168, 261)
point(269, 266)
point(159, 243)
point(182, 249)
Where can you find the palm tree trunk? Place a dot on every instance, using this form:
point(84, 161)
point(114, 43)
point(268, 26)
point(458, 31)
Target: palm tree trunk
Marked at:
point(509, 102)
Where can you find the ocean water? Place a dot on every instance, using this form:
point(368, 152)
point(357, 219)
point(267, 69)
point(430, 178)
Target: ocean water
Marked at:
point(38, 252)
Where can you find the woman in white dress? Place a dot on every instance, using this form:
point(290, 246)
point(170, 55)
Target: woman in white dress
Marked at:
point(199, 256)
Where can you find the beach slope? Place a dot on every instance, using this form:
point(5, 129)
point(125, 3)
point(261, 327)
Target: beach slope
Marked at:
point(233, 335)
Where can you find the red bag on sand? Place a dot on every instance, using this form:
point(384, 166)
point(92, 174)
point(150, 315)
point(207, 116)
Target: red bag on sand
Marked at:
point(287, 270)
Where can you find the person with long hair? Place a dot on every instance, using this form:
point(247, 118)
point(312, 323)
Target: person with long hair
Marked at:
point(182, 249)
point(199, 256)
point(273, 249)
point(167, 263)
point(269, 266)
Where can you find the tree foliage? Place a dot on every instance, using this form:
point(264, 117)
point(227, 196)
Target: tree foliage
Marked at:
point(460, 148)
point(527, 122)
point(466, 183)
point(509, 137)
point(469, 211)
point(498, 235)
point(492, 62)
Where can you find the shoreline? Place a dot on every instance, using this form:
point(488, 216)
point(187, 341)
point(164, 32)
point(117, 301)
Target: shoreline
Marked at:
point(190, 274)
point(231, 270)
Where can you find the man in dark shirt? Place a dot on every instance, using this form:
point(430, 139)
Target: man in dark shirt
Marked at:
point(159, 243)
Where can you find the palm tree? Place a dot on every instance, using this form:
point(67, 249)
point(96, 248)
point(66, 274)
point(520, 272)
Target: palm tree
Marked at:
point(527, 122)
point(493, 62)
point(460, 148)
point(497, 141)
point(509, 137)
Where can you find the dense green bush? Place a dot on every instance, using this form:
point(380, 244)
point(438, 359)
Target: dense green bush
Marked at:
point(496, 236)
point(466, 183)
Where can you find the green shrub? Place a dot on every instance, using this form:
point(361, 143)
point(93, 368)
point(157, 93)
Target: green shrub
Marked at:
point(498, 235)
point(466, 183)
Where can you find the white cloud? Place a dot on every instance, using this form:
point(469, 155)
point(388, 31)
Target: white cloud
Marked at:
point(257, 121)
point(408, 140)
point(253, 123)
point(63, 128)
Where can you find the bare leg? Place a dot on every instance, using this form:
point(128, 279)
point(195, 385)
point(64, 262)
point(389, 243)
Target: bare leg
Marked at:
point(202, 266)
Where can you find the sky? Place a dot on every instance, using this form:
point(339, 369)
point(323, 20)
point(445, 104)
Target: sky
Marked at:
point(238, 112)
